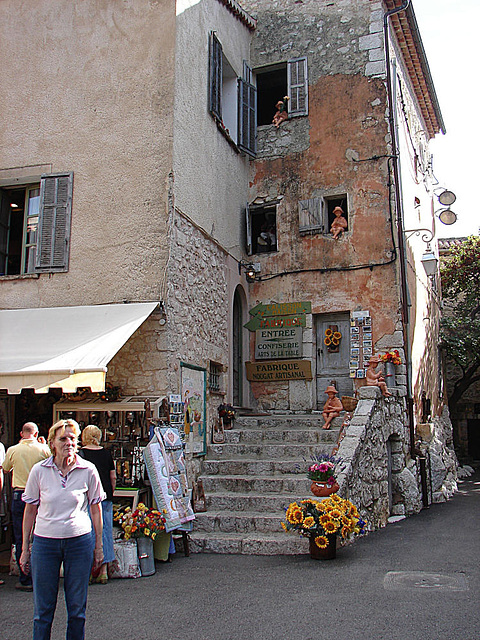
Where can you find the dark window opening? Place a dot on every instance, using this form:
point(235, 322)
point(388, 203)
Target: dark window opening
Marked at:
point(271, 87)
point(19, 214)
point(332, 202)
point(263, 224)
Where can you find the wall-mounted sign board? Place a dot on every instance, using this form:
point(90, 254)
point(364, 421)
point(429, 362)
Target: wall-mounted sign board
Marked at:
point(279, 370)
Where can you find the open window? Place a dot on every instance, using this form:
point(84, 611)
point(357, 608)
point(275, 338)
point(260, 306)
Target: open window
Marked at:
point(232, 99)
point(276, 81)
point(317, 214)
point(35, 225)
point(261, 228)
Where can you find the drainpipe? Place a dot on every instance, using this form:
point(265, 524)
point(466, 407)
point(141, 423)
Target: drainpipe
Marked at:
point(400, 225)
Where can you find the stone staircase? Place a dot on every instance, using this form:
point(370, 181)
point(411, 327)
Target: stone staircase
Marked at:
point(252, 477)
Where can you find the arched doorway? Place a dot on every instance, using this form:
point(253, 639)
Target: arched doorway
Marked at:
point(238, 306)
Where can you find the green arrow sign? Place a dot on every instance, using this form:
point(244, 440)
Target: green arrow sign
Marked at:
point(281, 309)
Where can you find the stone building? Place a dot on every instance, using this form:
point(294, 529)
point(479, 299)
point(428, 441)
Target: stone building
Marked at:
point(140, 169)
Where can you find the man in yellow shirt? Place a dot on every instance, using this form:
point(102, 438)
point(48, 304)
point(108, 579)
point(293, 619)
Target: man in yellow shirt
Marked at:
point(19, 459)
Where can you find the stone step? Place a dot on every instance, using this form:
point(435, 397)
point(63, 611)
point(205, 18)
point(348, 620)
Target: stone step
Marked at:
point(249, 544)
point(310, 421)
point(286, 483)
point(235, 522)
point(298, 452)
point(256, 467)
point(228, 501)
point(315, 435)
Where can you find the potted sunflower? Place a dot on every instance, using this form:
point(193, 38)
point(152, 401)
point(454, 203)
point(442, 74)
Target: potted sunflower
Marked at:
point(322, 522)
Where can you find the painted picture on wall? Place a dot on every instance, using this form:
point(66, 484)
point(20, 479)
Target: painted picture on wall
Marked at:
point(194, 397)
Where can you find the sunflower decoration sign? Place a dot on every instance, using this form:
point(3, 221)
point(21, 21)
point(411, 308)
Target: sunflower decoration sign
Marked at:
point(332, 338)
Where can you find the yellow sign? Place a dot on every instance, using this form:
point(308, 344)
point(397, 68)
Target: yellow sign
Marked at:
point(279, 370)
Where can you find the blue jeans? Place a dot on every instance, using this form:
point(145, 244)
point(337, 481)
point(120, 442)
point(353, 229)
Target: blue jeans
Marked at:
point(18, 507)
point(47, 557)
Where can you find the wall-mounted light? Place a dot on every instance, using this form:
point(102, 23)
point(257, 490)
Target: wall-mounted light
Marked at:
point(447, 216)
point(447, 198)
point(251, 269)
point(429, 261)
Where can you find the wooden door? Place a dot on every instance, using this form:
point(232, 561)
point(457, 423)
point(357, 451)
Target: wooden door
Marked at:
point(333, 359)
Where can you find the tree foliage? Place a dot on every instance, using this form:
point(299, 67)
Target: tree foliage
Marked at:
point(460, 326)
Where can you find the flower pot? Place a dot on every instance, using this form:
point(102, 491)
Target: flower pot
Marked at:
point(146, 556)
point(323, 489)
point(390, 374)
point(227, 423)
point(330, 551)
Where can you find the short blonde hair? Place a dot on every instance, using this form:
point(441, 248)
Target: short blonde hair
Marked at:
point(91, 435)
point(61, 424)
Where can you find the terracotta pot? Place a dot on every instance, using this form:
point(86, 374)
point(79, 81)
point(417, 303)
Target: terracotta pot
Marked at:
point(329, 553)
point(322, 489)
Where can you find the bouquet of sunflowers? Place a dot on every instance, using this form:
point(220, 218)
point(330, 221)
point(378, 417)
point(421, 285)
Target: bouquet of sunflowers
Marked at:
point(141, 523)
point(320, 519)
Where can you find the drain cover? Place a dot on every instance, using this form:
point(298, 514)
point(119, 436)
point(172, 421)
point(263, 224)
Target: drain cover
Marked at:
point(403, 580)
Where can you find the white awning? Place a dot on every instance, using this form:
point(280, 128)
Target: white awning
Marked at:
point(64, 347)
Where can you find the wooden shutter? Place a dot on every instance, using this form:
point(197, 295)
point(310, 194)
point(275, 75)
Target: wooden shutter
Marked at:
point(247, 117)
point(311, 218)
point(4, 225)
point(248, 226)
point(54, 224)
point(215, 76)
point(297, 79)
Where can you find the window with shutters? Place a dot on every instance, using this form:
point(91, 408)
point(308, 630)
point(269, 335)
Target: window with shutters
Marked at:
point(35, 226)
point(277, 81)
point(232, 99)
point(316, 215)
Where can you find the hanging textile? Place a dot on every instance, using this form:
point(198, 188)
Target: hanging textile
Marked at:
point(165, 464)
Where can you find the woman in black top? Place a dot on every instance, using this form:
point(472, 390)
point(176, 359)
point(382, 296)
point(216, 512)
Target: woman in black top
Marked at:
point(102, 459)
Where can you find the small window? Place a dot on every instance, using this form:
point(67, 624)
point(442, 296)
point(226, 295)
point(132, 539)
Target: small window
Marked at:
point(261, 228)
point(215, 377)
point(35, 226)
point(274, 82)
point(316, 215)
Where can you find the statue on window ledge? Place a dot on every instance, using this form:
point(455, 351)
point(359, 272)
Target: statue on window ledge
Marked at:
point(339, 224)
point(281, 114)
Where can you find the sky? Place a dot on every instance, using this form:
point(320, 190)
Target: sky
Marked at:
point(449, 31)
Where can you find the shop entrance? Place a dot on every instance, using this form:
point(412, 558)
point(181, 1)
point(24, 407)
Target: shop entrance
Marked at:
point(333, 353)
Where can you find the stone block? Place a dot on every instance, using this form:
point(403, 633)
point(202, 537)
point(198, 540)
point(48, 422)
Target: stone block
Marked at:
point(364, 407)
point(375, 68)
point(372, 41)
point(369, 393)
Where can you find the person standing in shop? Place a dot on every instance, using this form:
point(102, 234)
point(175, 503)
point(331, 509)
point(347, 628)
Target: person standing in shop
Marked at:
point(20, 459)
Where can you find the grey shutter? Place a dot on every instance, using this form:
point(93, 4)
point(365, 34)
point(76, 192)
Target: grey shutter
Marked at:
point(54, 224)
point(311, 216)
point(215, 76)
point(248, 226)
point(247, 117)
point(297, 79)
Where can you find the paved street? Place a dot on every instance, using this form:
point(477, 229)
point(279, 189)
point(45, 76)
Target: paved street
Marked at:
point(416, 579)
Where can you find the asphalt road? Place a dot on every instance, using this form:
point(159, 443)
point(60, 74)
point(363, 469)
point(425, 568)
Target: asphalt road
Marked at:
point(417, 579)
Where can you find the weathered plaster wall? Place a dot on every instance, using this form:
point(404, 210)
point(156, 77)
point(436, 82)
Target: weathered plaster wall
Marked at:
point(87, 86)
point(211, 177)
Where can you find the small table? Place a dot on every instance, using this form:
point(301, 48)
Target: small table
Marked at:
point(135, 493)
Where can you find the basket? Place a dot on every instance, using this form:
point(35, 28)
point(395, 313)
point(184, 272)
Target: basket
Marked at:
point(349, 403)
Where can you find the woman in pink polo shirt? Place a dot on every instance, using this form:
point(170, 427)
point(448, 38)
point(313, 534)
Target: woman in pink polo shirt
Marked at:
point(58, 493)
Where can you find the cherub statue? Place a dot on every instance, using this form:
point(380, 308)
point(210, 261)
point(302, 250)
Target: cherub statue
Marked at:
point(282, 113)
point(332, 407)
point(375, 378)
point(339, 224)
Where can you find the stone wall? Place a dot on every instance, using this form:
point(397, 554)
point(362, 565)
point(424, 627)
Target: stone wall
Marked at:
point(380, 477)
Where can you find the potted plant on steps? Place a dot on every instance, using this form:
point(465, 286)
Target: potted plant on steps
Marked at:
point(323, 522)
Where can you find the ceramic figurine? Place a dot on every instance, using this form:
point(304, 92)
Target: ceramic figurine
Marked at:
point(281, 113)
point(332, 407)
point(339, 225)
point(375, 378)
